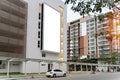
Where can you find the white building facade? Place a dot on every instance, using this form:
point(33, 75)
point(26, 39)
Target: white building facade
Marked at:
point(36, 36)
point(46, 37)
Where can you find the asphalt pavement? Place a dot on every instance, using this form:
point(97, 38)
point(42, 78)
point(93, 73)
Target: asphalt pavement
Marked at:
point(74, 76)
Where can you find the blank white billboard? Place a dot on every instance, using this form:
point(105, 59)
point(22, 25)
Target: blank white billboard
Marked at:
point(51, 29)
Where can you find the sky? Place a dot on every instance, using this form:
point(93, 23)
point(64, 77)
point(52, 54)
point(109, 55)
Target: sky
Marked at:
point(71, 15)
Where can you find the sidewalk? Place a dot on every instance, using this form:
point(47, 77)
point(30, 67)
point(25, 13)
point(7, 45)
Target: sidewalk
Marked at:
point(80, 72)
point(35, 76)
point(19, 77)
point(40, 76)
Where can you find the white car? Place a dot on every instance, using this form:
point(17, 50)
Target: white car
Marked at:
point(55, 73)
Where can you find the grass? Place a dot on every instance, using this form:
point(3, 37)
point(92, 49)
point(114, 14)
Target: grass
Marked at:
point(12, 73)
point(18, 73)
point(37, 73)
point(43, 73)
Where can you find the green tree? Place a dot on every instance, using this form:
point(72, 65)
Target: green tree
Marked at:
point(112, 59)
point(87, 6)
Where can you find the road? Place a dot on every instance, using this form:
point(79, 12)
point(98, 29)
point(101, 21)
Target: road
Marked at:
point(97, 76)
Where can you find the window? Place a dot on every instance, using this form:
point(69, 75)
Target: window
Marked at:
point(87, 25)
point(43, 55)
point(38, 34)
point(104, 25)
point(2, 65)
point(38, 44)
point(43, 64)
point(0, 62)
point(39, 16)
point(87, 21)
point(87, 33)
point(92, 20)
point(92, 24)
point(87, 29)
point(39, 25)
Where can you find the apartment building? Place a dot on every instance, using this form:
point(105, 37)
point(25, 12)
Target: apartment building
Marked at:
point(103, 44)
point(81, 35)
point(33, 29)
point(77, 39)
point(73, 39)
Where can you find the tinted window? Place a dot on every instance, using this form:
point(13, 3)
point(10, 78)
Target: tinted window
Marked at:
point(39, 16)
point(57, 70)
point(39, 25)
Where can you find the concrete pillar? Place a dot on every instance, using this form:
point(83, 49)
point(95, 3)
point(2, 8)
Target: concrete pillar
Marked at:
point(86, 67)
point(68, 68)
point(74, 67)
point(105, 67)
point(25, 68)
point(39, 67)
point(8, 68)
point(115, 68)
point(96, 68)
point(81, 67)
point(91, 68)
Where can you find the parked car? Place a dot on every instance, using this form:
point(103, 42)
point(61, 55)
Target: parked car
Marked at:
point(55, 73)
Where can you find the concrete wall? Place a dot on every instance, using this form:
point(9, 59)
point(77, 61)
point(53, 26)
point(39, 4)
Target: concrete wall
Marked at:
point(14, 67)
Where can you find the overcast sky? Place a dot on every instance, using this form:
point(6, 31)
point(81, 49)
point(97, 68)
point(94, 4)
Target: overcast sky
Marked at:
point(71, 15)
point(75, 15)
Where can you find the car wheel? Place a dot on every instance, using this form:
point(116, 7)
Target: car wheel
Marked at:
point(54, 75)
point(64, 75)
